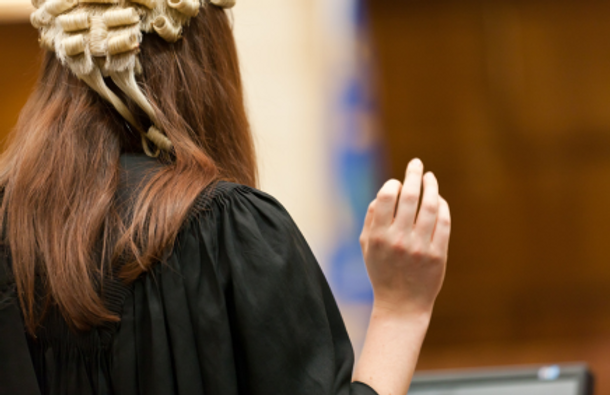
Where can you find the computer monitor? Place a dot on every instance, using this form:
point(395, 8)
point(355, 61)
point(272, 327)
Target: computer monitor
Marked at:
point(575, 379)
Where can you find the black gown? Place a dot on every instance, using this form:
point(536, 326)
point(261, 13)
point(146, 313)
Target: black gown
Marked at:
point(239, 306)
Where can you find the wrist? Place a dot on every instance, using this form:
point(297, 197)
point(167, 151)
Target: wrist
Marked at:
point(419, 317)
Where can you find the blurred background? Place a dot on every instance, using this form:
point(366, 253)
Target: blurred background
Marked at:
point(508, 102)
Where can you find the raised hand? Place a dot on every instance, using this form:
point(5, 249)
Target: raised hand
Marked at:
point(405, 248)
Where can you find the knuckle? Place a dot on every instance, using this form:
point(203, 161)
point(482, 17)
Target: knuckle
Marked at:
point(410, 197)
point(445, 221)
point(385, 196)
point(390, 187)
point(399, 247)
point(405, 249)
point(438, 256)
point(414, 170)
point(429, 207)
point(417, 253)
point(376, 241)
point(393, 183)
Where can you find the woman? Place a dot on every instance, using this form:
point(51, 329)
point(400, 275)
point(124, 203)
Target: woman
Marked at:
point(167, 273)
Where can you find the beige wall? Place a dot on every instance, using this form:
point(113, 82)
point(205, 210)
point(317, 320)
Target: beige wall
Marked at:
point(15, 10)
point(282, 64)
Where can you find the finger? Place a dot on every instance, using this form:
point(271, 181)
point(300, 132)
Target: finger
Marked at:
point(368, 221)
point(428, 212)
point(440, 239)
point(409, 195)
point(385, 204)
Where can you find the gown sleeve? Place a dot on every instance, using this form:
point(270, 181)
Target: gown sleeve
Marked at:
point(287, 332)
point(17, 374)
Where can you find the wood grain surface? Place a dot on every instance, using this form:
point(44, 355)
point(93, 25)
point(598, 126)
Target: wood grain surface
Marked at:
point(21, 58)
point(508, 102)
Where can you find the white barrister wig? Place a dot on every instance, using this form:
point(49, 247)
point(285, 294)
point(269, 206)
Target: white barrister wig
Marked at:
point(101, 38)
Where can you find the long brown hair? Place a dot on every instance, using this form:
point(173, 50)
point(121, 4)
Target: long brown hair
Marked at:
point(60, 171)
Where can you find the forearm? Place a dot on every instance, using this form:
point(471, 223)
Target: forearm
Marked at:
point(405, 251)
point(391, 349)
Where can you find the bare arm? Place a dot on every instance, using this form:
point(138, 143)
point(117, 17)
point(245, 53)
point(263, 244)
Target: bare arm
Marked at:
point(406, 253)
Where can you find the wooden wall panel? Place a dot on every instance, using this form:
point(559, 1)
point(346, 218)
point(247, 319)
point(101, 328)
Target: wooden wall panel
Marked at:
point(508, 102)
point(19, 64)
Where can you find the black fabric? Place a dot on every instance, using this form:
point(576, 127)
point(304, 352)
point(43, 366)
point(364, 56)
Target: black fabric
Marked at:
point(239, 306)
point(17, 374)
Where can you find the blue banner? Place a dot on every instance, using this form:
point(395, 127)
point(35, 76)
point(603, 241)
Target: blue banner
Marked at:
point(358, 158)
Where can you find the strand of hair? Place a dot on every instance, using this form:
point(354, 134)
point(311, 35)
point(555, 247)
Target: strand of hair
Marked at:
point(47, 42)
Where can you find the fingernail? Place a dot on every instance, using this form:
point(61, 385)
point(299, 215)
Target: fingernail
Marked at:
point(417, 162)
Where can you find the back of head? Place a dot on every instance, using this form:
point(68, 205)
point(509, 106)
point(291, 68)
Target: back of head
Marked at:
point(180, 101)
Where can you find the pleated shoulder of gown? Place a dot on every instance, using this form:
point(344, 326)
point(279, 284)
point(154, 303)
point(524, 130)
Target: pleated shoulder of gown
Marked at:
point(239, 306)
